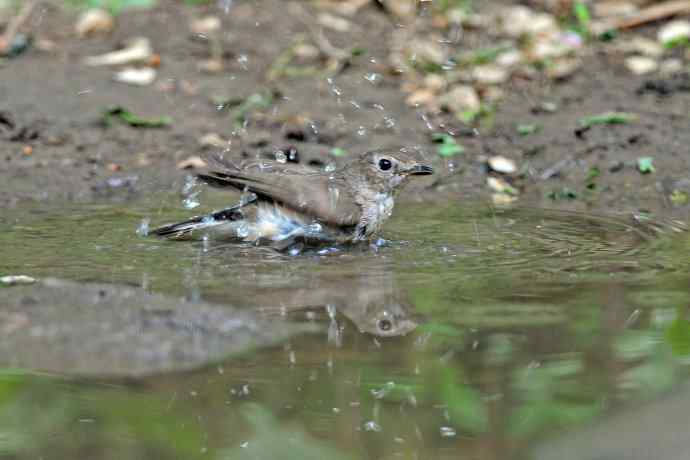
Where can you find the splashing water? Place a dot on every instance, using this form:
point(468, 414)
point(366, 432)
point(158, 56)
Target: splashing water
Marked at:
point(143, 228)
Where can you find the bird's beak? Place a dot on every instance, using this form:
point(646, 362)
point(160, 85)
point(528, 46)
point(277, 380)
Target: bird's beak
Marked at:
point(420, 170)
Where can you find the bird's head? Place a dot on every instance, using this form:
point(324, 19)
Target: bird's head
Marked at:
point(387, 169)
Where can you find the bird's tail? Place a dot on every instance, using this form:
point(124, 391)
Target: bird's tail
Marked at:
point(185, 228)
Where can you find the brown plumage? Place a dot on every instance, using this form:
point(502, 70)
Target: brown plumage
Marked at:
point(284, 202)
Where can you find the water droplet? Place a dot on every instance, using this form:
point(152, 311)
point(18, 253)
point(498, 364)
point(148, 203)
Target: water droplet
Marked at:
point(296, 249)
point(389, 122)
point(143, 228)
point(333, 195)
point(242, 60)
point(372, 426)
point(447, 432)
point(189, 183)
point(247, 197)
point(372, 77)
point(334, 334)
point(242, 230)
point(191, 201)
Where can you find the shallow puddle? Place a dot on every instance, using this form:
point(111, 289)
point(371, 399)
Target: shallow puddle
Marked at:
point(472, 332)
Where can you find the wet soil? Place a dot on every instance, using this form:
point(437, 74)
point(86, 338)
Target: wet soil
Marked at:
point(54, 145)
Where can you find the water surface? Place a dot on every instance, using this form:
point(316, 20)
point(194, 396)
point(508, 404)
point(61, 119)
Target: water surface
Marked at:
point(472, 332)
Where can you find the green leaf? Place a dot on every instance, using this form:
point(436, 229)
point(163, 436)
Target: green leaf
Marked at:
point(133, 120)
point(251, 103)
point(608, 118)
point(357, 51)
point(679, 197)
point(114, 6)
point(593, 173)
point(469, 116)
point(677, 43)
point(448, 146)
point(483, 55)
point(527, 128)
point(563, 193)
point(645, 165)
point(584, 18)
point(338, 152)
point(448, 150)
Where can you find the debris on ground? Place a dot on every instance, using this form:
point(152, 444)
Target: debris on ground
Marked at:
point(13, 280)
point(94, 21)
point(12, 41)
point(645, 165)
point(641, 65)
point(502, 165)
point(136, 50)
point(138, 76)
point(193, 162)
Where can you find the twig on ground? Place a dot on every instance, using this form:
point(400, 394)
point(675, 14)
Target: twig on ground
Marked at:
point(14, 25)
point(646, 15)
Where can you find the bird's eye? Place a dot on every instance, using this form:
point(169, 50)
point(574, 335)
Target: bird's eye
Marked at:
point(385, 325)
point(385, 164)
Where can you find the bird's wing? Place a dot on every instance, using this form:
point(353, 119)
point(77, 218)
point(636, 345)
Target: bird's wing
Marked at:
point(326, 198)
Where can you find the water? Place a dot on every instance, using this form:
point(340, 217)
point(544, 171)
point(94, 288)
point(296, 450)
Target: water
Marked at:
point(471, 333)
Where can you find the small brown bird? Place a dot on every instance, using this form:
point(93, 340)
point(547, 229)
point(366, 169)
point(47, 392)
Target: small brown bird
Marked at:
point(284, 203)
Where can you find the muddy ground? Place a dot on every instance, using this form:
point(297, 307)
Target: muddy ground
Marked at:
point(54, 145)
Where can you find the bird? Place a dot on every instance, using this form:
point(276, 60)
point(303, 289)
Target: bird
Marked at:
point(282, 203)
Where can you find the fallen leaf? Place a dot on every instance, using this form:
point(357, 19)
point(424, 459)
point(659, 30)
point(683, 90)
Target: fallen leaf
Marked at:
point(193, 162)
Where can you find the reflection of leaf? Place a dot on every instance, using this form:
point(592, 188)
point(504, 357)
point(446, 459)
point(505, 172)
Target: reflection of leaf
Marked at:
point(465, 404)
point(636, 344)
point(271, 442)
point(678, 335)
point(651, 378)
point(39, 418)
point(552, 397)
point(532, 418)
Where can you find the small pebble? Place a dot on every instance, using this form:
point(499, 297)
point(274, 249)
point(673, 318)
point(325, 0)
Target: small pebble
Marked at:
point(641, 65)
point(502, 165)
point(94, 21)
point(136, 76)
point(193, 162)
point(12, 280)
